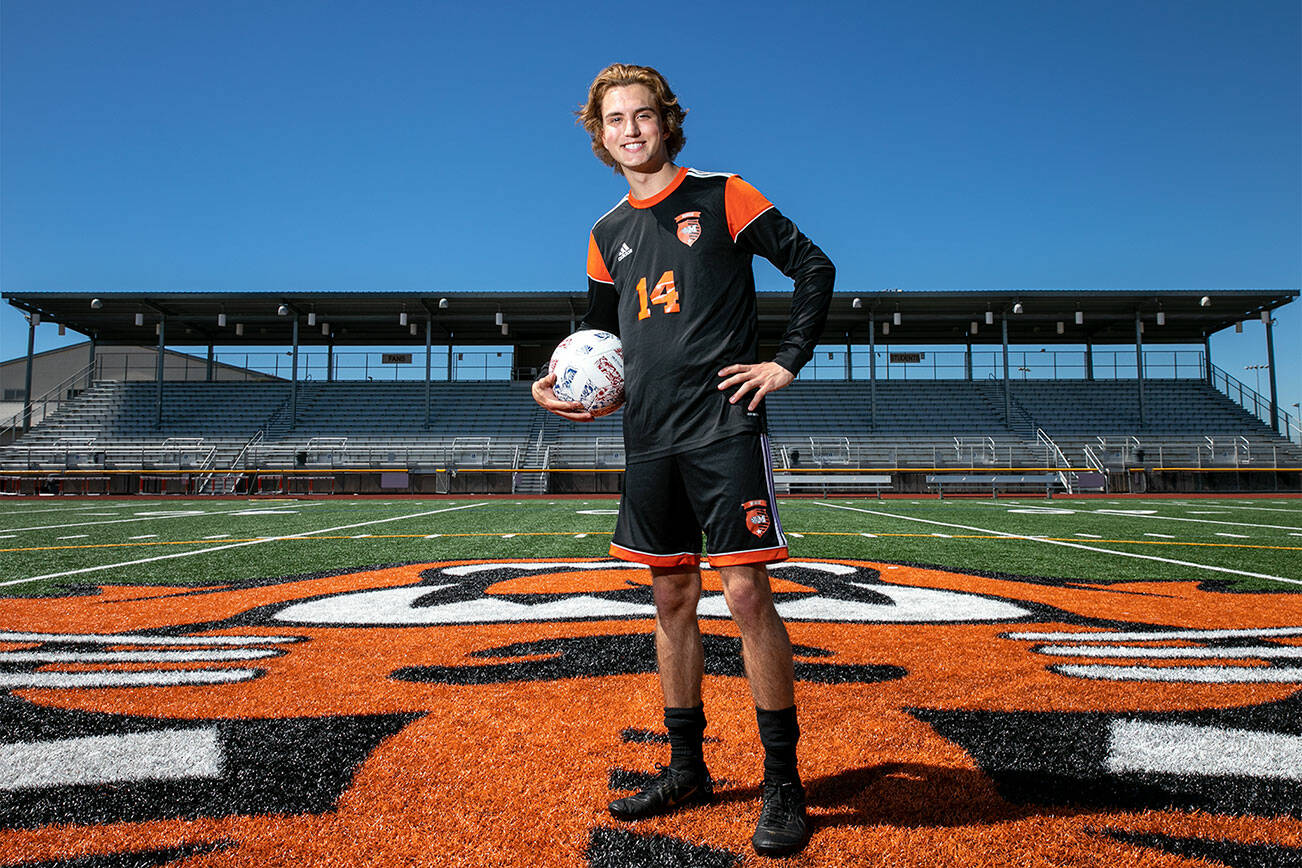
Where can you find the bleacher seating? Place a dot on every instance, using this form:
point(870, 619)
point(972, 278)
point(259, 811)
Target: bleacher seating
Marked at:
point(920, 423)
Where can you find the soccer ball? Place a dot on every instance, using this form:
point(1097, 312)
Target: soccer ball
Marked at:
point(589, 368)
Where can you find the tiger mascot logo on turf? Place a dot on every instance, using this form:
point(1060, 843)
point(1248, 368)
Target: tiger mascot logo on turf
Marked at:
point(429, 711)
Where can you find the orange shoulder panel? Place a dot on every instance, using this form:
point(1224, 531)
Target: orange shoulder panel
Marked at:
point(596, 265)
point(743, 203)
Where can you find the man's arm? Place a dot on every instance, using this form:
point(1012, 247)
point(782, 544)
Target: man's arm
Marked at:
point(773, 236)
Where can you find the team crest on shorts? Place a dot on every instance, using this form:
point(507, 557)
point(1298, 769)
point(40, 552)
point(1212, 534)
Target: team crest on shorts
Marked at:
point(689, 227)
point(757, 516)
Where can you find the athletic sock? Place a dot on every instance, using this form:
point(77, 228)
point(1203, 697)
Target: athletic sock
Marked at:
point(779, 733)
point(686, 728)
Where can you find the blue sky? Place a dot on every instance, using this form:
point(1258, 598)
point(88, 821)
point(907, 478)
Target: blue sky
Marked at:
point(431, 146)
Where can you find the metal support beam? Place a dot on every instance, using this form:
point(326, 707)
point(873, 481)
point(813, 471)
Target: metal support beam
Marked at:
point(967, 362)
point(1008, 398)
point(1270, 362)
point(1089, 362)
point(210, 355)
point(872, 372)
point(27, 387)
point(90, 364)
point(1139, 364)
point(330, 359)
point(1207, 358)
point(293, 379)
point(429, 349)
point(158, 370)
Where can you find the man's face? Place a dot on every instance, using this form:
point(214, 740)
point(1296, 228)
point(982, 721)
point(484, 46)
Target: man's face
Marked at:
point(631, 128)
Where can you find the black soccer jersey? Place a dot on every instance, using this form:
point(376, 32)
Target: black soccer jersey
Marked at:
point(671, 275)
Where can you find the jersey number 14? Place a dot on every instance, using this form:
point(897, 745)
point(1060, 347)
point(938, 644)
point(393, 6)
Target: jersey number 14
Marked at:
point(664, 293)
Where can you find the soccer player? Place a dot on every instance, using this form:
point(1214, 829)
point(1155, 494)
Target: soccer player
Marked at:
point(669, 271)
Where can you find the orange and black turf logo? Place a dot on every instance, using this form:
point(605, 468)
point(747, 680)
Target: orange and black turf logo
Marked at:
point(485, 712)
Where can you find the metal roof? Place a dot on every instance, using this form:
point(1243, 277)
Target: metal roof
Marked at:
point(927, 317)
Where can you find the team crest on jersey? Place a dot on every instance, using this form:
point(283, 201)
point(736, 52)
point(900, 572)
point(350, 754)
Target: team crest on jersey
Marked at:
point(757, 517)
point(689, 227)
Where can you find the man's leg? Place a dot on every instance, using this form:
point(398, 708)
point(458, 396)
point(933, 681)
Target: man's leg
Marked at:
point(677, 591)
point(765, 646)
point(681, 660)
point(783, 827)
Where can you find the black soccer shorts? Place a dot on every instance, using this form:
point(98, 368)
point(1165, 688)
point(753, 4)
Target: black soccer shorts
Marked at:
point(724, 489)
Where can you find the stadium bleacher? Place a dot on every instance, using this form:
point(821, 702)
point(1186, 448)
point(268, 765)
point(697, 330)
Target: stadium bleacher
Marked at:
point(816, 424)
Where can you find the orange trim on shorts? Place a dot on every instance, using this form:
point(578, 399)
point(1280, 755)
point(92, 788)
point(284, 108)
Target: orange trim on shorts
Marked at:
point(681, 560)
point(760, 556)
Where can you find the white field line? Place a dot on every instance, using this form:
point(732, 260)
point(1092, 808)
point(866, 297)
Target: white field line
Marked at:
point(1071, 545)
point(180, 513)
point(62, 509)
point(1258, 508)
point(251, 542)
point(1119, 513)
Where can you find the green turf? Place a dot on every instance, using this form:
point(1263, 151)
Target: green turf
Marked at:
point(1177, 539)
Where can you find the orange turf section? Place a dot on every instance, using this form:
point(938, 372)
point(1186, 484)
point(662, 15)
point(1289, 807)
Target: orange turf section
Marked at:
point(517, 773)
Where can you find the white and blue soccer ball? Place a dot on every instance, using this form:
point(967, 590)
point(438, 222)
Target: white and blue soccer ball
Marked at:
point(589, 368)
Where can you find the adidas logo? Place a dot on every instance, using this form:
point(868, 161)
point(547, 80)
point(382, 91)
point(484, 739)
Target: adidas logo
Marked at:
point(624, 250)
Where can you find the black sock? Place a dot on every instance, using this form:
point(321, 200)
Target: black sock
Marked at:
point(686, 732)
point(779, 733)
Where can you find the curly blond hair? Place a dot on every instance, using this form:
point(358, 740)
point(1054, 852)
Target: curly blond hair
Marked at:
point(621, 75)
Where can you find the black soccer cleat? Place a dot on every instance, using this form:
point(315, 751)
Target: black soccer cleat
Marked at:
point(669, 790)
point(783, 828)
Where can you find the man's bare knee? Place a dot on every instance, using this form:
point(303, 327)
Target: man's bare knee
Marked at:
point(676, 594)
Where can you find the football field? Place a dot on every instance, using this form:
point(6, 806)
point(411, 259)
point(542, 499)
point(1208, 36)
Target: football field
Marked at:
point(444, 681)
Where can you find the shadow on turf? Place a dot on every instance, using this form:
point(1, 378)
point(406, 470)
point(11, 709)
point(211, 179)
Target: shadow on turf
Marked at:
point(909, 795)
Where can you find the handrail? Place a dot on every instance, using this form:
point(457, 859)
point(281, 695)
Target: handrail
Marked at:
point(1052, 451)
point(14, 422)
point(1093, 461)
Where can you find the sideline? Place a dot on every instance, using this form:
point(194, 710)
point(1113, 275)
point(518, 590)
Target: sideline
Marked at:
point(1067, 544)
point(238, 545)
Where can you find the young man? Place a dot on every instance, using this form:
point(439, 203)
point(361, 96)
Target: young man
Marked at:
point(669, 271)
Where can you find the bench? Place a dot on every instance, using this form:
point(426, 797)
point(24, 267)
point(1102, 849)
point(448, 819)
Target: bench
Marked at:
point(874, 482)
point(995, 481)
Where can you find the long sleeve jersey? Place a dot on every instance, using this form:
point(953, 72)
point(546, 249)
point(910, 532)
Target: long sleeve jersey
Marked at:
point(672, 276)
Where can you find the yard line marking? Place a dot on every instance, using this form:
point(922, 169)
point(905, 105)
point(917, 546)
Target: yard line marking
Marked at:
point(1131, 513)
point(1161, 535)
point(869, 535)
point(218, 536)
point(1090, 535)
point(186, 514)
point(1234, 535)
point(145, 536)
point(74, 536)
point(8, 536)
point(1073, 545)
point(238, 544)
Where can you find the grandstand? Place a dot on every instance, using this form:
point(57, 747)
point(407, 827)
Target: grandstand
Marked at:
point(189, 432)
